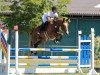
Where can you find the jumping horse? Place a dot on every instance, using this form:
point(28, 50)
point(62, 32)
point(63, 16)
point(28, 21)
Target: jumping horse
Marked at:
point(54, 31)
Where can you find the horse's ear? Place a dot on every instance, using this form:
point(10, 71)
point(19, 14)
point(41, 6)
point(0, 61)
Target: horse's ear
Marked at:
point(69, 20)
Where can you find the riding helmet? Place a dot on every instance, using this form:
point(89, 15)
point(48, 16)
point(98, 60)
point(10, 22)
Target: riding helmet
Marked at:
point(54, 8)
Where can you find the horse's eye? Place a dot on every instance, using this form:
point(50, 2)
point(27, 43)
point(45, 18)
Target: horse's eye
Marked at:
point(55, 26)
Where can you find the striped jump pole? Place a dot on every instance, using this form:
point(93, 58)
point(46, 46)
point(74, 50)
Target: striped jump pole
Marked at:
point(45, 64)
point(47, 57)
point(46, 49)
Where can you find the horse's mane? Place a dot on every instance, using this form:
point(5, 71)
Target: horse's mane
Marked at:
point(59, 19)
point(62, 20)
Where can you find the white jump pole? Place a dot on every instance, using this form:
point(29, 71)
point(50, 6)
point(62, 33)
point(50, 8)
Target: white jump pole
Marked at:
point(16, 49)
point(92, 71)
point(79, 47)
point(0, 48)
point(8, 62)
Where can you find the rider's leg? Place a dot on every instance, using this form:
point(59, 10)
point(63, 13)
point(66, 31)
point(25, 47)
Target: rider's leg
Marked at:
point(44, 26)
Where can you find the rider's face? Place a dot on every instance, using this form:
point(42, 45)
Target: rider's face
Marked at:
point(54, 11)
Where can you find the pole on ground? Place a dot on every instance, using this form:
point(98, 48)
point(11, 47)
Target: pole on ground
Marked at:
point(92, 71)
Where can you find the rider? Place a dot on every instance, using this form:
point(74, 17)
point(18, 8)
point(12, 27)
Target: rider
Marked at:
point(48, 17)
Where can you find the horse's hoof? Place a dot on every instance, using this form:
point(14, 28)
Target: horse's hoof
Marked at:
point(56, 41)
point(67, 33)
point(34, 52)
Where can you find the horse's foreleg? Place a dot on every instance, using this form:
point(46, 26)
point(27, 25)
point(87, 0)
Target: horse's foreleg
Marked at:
point(67, 32)
point(58, 39)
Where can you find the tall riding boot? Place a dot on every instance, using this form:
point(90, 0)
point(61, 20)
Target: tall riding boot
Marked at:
point(44, 26)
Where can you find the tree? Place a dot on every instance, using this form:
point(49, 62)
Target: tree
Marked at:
point(97, 46)
point(27, 13)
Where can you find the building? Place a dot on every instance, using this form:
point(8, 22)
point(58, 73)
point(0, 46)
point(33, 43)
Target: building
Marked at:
point(84, 15)
point(4, 9)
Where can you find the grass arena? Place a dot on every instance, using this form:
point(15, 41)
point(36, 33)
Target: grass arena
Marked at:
point(82, 64)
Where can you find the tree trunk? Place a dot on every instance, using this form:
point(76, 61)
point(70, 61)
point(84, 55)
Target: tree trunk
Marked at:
point(29, 40)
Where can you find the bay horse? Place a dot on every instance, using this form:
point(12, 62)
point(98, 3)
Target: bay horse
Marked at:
point(54, 31)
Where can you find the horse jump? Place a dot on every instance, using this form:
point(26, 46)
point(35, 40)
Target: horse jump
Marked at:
point(84, 59)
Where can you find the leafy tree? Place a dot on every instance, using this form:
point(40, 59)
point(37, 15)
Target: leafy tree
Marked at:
point(97, 46)
point(27, 13)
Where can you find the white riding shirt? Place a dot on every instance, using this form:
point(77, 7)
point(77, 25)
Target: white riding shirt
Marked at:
point(49, 14)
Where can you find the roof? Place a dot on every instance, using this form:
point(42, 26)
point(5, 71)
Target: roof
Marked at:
point(5, 3)
point(5, 12)
point(83, 7)
point(77, 7)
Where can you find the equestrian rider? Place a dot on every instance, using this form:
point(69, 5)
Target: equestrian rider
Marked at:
point(48, 17)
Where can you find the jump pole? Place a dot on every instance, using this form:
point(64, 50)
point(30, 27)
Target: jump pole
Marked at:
point(8, 61)
point(92, 71)
point(16, 49)
point(6, 36)
point(0, 46)
point(79, 47)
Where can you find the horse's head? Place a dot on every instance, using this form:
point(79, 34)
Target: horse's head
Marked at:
point(63, 24)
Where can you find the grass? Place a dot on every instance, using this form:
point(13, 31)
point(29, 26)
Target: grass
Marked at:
point(57, 74)
point(85, 70)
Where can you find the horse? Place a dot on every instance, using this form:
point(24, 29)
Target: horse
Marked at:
point(54, 31)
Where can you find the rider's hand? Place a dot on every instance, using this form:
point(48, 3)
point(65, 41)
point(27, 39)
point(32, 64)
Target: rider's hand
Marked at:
point(49, 19)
